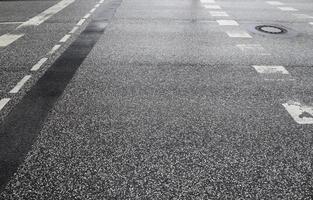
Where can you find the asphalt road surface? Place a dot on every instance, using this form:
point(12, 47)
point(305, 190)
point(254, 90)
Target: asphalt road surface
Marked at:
point(156, 99)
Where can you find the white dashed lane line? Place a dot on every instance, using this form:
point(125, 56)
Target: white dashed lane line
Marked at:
point(10, 23)
point(275, 3)
point(267, 69)
point(54, 49)
point(39, 64)
point(302, 114)
point(42, 17)
point(86, 16)
point(4, 102)
point(214, 7)
point(238, 34)
point(7, 39)
point(218, 14)
point(227, 22)
point(303, 16)
point(254, 49)
point(81, 22)
point(207, 1)
point(74, 30)
point(20, 84)
point(65, 38)
point(287, 9)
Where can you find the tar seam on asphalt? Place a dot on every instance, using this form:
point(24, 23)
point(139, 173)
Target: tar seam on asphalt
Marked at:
point(22, 125)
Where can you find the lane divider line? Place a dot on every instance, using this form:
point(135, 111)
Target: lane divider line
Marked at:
point(74, 30)
point(275, 3)
point(263, 69)
point(81, 22)
point(7, 39)
point(65, 38)
point(238, 34)
point(4, 102)
point(20, 84)
point(227, 22)
point(215, 7)
point(218, 14)
point(287, 9)
point(39, 64)
point(302, 114)
point(54, 49)
point(86, 16)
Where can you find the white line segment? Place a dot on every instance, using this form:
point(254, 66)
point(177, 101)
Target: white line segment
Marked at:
point(218, 14)
point(74, 30)
point(275, 3)
point(262, 69)
point(81, 22)
point(20, 84)
point(39, 64)
point(302, 114)
point(215, 7)
point(7, 39)
point(238, 34)
point(227, 22)
point(54, 49)
point(287, 9)
point(65, 38)
point(4, 102)
point(42, 17)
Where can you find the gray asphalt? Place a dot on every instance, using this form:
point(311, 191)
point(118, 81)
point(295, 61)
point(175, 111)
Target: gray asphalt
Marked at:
point(165, 106)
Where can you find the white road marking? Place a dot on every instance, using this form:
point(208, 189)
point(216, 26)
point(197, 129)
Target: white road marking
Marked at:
point(65, 38)
point(81, 22)
point(92, 10)
point(39, 64)
point(86, 16)
point(303, 16)
point(8, 23)
point(7, 39)
point(54, 49)
point(238, 34)
point(227, 22)
point(74, 30)
point(270, 69)
point(218, 14)
point(287, 9)
point(101, 1)
point(302, 114)
point(255, 49)
point(275, 3)
point(20, 84)
point(42, 17)
point(4, 102)
point(96, 6)
point(217, 7)
point(207, 1)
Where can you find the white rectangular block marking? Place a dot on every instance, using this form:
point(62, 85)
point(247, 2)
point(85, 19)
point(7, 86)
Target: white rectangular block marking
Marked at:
point(238, 34)
point(7, 39)
point(39, 64)
point(270, 69)
point(54, 49)
point(256, 49)
point(20, 84)
point(4, 102)
point(287, 9)
point(81, 22)
point(227, 22)
point(37, 20)
point(215, 7)
point(302, 114)
point(65, 38)
point(207, 1)
point(74, 30)
point(218, 14)
point(275, 3)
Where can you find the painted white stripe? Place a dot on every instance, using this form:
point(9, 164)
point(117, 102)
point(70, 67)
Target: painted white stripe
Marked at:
point(303, 16)
point(74, 30)
point(7, 39)
point(275, 3)
point(218, 14)
point(42, 17)
point(81, 22)
point(216, 7)
point(92, 10)
point(86, 16)
point(96, 6)
point(65, 38)
point(8, 23)
point(255, 49)
point(39, 64)
point(207, 1)
point(101, 1)
point(302, 114)
point(227, 22)
point(4, 102)
point(238, 34)
point(54, 49)
point(270, 69)
point(20, 84)
point(287, 9)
